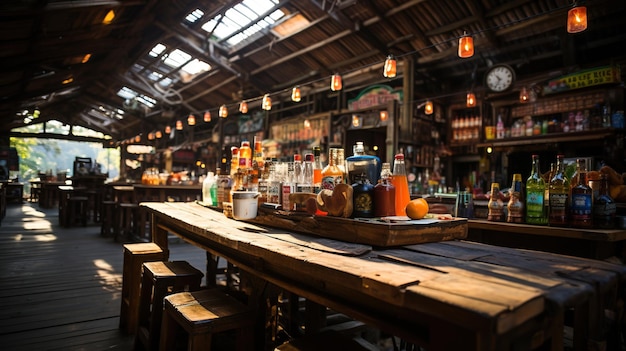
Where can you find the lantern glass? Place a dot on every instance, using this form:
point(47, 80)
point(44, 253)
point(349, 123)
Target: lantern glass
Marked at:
point(390, 67)
point(191, 120)
point(335, 82)
point(466, 46)
point(207, 116)
point(267, 102)
point(577, 19)
point(428, 108)
point(179, 125)
point(296, 95)
point(471, 99)
point(243, 107)
point(223, 111)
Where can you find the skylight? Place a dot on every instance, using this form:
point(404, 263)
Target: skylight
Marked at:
point(131, 95)
point(229, 26)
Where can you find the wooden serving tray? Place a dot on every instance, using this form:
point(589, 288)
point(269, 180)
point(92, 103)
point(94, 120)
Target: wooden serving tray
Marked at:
point(369, 231)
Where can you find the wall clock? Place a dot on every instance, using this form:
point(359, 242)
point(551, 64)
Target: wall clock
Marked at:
point(499, 78)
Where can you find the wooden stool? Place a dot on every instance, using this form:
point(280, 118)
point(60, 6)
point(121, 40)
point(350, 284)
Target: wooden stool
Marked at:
point(135, 255)
point(125, 222)
point(77, 210)
point(201, 314)
point(159, 280)
point(107, 225)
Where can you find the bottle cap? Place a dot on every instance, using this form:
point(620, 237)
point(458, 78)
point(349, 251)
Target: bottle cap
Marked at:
point(309, 158)
point(297, 157)
point(399, 157)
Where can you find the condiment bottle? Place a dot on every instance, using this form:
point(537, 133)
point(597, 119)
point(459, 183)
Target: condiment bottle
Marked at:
point(495, 205)
point(384, 194)
point(558, 190)
point(581, 205)
point(331, 174)
point(535, 192)
point(317, 169)
point(604, 207)
point(400, 182)
point(515, 205)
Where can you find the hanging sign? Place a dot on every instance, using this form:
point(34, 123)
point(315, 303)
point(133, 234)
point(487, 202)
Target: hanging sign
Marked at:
point(583, 79)
point(375, 95)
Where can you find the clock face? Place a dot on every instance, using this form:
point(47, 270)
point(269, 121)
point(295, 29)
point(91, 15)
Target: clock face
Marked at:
point(499, 78)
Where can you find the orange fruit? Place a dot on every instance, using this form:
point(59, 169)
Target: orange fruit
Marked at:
point(417, 208)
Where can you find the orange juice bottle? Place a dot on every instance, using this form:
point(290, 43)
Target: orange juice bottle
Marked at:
point(400, 182)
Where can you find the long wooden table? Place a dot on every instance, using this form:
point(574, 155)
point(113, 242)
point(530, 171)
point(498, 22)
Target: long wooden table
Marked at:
point(444, 295)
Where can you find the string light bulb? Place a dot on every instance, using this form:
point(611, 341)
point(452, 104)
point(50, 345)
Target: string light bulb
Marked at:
point(335, 82)
point(138, 138)
point(179, 125)
point(243, 107)
point(296, 95)
point(470, 99)
point(168, 130)
point(523, 95)
point(191, 120)
point(428, 107)
point(267, 102)
point(466, 46)
point(577, 19)
point(389, 70)
point(223, 111)
point(158, 134)
point(207, 116)
point(151, 136)
point(384, 116)
point(307, 124)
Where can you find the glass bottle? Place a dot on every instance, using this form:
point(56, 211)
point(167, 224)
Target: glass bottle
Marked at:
point(317, 169)
point(360, 163)
point(400, 182)
point(207, 184)
point(604, 207)
point(307, 174)
point(495, 204)
point(245, 154)
point(581, 205)
point(558, 190)
point(341, 164)
point(298, 169)
point(331, 174)
point(363, 198)
point(384, 194)
point(234, 161)
point(535, 192)
point(515, 206)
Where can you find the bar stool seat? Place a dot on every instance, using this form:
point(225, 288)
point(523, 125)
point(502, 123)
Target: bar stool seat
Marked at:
point(126, 220)
point(203, 314)
point(135, 255)
point(77, 210)
point(160, 279)
point(107, 223)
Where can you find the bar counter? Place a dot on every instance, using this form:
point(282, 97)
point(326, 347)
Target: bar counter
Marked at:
point(486, 297)
point(590, 243)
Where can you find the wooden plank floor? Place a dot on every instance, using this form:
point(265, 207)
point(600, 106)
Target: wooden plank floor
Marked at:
point(60, 287)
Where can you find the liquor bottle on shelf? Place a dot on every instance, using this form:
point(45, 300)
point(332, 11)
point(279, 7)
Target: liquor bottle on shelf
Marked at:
point(234, 161)
point(604, 207)
point(306, 184)
point(515, 205)
point(535, 192)
point(363, 198)
point(559, 195)
point(500, 128)
point(384, 194)
point(495, 205)
point(581, 206)
point(400, 182)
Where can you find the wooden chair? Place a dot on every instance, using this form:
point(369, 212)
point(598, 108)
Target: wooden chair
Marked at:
point(203, 315)
point(135, 255)
point(107, 221)
point(160, 279)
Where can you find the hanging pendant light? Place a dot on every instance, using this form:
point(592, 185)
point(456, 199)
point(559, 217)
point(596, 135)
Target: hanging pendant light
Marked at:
point(158, 134)
point(523, 95)
point(296, 95)
point(307, 124)
point(428, 107)
point(267, 102)
point(168, 130)
point(356, 121)
point(191, 120)
point(207, 116)
point(223, 111)
point(466, 46)
point(577, 19)
point(389, 71)
point(138, 138)
point(243, 107)
point(151, 136)
point(335, 82)
point(179, 125)
point(470, 99)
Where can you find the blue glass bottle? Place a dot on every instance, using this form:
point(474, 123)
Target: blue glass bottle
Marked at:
point(360, 163)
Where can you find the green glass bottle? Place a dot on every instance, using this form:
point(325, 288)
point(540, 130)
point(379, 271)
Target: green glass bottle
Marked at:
point(559, 195)
point(535, 191)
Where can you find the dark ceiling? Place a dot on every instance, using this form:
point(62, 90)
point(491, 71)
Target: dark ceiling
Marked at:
point(43, 43)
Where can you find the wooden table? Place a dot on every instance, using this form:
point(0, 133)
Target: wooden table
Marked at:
point(49, 196)
point(162, 193)
point(442, 296)
point(590, 243)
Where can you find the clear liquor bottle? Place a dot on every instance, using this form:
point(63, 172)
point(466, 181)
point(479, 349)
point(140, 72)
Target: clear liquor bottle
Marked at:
point(559, 195)
point(535, 192)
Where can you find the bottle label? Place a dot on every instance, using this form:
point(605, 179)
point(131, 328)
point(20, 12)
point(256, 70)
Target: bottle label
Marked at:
point(606, 209)
point(329, 182)
point(363, 203)
point(558, 202)
point(581, 205)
